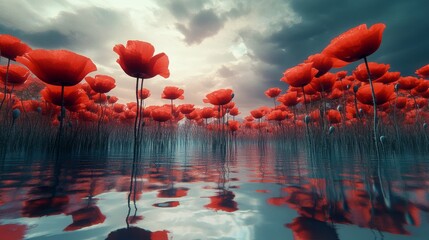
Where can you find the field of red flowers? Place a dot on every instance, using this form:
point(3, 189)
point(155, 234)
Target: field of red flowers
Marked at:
point(57, 99)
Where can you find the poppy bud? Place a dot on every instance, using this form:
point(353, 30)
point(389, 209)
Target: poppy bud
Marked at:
point(383, 139)
point(397, 87)
point(356, 88)
point(340, 108)
point(143, 123)
point(232, 95)
point(16, 113)
point(361, 112)
point(331, 130)
point(307, 119)
point(39, 109)
point(425, 125)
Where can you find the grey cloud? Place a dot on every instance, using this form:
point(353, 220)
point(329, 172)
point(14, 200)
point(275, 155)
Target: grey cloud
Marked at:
point(404, 44)
point(225, 72)
point(202, 25)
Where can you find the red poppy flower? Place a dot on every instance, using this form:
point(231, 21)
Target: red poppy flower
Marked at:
point(356, 43)
point(143, 93)
point(423, 71)
point(234, 111)
point(324, 63)
point(17, 75)
point(273, 92)
point(137, 60)
point(101, 83)
point(300, 75)
point(207, 112)
point(233, 125)
point(334, 116)
point(408, 83)
point(73, 96)
point(388, 77)
point(422, 86)
point(277, 115)
point(324, 83)
point(401, 102)
point(377, 70)
point(186, 108)
point(257, 113)
point(341, 74)
point(220, 97)
point(112, 99)
point(289, 99)
point(172, 93)
point(383, 93)
point(12, 47)
point(161, 114)
point(194, 115)
point(57, 67)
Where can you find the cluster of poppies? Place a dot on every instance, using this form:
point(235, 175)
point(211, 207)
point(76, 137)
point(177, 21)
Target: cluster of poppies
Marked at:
point(49, 83)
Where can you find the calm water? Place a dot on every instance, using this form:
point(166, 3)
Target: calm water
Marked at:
point(244, 191)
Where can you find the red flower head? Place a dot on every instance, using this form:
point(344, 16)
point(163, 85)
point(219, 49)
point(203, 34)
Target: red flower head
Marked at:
point(101, 83)
point(233, 125)
point(273, 92)
point(356, 43)
point(388, 77)
point(324, 83)
point(17, 75)
point(277, 115)
point(207, 112)
point(161, 114)
point(57, 67)
point(300, 75)
point(257, 113)
point(219, 97)
point(74, 96)
point(324, 63)
point(423, 71)
point(137, 60)
point(377, 70)
point(144, 93)
point(383, 93)
point(408, 83)
point(186, 108)
point(289, 99)
point(334, 116)
point(112, 99)
point(172, 93)
point(12, 47)
point(341, 74)
point(234, 111)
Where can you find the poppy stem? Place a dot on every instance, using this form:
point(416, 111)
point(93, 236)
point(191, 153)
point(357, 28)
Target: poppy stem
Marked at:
point(374, 102)
point(5, 83)
point(60, 131)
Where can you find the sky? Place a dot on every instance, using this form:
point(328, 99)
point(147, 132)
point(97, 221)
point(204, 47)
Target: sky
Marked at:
point(245, 45)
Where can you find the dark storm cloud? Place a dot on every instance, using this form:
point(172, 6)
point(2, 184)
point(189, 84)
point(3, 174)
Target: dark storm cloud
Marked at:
point(404, 44)
point(75, 29)
point(43, 39)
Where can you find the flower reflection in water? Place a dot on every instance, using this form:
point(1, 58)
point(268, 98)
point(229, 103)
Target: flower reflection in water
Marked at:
point(238, 192)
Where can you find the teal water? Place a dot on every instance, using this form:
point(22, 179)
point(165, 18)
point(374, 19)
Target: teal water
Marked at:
point(195, 191)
